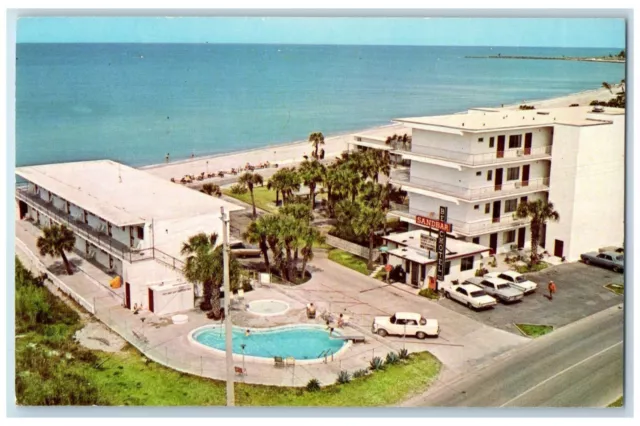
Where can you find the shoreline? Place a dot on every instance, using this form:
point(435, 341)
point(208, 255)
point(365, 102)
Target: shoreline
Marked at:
point(291, 153)
point(551, 58)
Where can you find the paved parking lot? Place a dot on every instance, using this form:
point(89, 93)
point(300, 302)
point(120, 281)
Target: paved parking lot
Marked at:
point(580, 293)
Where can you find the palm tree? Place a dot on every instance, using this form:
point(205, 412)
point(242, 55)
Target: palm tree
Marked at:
point(257, 233)
point(330, 181)
point(368, 220)
point(248, 180)
point(200, 266)
point(311, 174)
point(310, 236)
point(290, 184)
point(539, 211)
point(316, 139)
point(211, 189)
point(277, 183)
point(299, 211)
point(55, 240)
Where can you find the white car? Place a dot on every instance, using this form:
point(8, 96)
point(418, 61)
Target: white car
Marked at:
point(515, 280)
point(498, 288)
point(406, 324)
point(471, 295)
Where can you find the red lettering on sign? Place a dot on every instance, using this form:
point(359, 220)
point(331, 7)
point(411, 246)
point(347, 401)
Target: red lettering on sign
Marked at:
point(433, 223)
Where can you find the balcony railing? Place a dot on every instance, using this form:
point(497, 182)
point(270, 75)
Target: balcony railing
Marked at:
point(103, 241)
point(495, 157)
point(472, 194)
point(463, 227)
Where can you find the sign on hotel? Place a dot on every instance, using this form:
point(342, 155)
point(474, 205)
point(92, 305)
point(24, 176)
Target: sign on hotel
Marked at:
point(428, 242)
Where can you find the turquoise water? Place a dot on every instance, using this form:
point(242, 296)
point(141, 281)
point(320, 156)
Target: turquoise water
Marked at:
point(300, 342)
point(133, 103)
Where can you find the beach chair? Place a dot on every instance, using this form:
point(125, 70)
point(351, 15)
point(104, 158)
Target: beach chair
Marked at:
point(240, 371)
point(290, 361)
point(278, 361)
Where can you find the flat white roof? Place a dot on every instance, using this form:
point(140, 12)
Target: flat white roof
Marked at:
point(381, 133)
point(121, 194)
point(412, 251)
point(491, 119)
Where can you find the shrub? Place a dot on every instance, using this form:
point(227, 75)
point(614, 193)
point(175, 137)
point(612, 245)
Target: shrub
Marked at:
point(376, 364)
point(238, 189)
point(392, 358)
point(344, 377)
point(574, 105)
point(527, 107)
point(313, 385)
point(481, 271)
point(403, 354)
point(429, 294)
point(360, 373)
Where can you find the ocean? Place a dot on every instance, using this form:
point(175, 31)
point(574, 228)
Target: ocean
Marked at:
point(134, 103)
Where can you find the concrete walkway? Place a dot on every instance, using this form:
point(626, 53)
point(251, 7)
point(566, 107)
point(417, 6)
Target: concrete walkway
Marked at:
point(462, 344)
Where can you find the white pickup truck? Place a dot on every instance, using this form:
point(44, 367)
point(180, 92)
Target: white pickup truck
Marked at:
point(471, 295)
point(406, 324)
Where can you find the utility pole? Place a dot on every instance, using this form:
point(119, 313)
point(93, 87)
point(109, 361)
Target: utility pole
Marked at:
point(228, 328)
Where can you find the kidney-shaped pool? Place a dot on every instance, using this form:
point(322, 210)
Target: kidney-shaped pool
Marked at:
point(304, 342)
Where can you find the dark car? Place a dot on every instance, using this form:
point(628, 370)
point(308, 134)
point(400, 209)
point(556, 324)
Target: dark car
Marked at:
point(607, 259)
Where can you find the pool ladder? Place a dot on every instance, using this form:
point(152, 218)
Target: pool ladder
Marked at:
point(325, 354)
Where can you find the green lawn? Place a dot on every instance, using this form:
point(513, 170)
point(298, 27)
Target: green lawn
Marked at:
point(538, 267)
point(617, 403)
point(616, 288)
point(52, 369)
point(349, 260)
point(535, 330)
point(265, 198)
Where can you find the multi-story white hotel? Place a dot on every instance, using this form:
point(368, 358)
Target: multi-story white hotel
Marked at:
point(128, 221)
point(482, 163)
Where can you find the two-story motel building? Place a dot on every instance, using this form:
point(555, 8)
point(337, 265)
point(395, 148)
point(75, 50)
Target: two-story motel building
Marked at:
point(481, 164)
point(126, 220)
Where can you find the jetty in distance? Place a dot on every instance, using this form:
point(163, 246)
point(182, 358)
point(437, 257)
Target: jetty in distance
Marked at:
point(556, 58)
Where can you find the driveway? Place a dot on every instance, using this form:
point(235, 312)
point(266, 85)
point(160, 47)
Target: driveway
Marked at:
point(580, 293)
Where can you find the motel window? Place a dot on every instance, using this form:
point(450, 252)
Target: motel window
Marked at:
point(513, 173)
point(480, 139)
point(478, 173)
point(476, 207)
point(523, 199)
point(140, 232)
point(447, 267)
point(511, 205)
point(487, 208)
point(515, 141)
point(466, 263)
point(491, 141)
point(509, 237)
point(489, 174)
point(476, 240)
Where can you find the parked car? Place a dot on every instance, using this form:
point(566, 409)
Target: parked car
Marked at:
point(498, 288)
point(515, 280)
point(471, 295)
point(607, 259)
point(406, 324)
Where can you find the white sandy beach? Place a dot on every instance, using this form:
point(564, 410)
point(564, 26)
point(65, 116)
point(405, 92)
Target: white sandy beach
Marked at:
point(291, 154)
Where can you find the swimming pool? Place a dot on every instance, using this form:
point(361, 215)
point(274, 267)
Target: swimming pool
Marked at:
point(305, 342)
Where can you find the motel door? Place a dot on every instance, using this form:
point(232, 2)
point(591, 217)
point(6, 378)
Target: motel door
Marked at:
point(525, 175)
point(493, 243)
point(127, 295)
point(498, 180)
point(151, 306)
point(500, 149)
point(496, 211)
point(528, 138)
point(415, 274)
point(521, 235)
point(558, 248)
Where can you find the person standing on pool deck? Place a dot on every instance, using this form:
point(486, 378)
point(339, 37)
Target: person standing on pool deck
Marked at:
point(552, 289)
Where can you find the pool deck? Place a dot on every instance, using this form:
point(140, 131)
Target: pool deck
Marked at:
point(464, 344)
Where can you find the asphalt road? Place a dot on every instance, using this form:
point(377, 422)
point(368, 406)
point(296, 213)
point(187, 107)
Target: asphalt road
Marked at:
point(580, 365)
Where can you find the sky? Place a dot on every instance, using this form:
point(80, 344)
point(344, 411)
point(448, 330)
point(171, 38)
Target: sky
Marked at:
point(536, 32)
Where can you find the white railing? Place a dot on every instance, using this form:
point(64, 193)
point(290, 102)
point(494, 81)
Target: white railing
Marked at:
point(472, 194)
point(55, 280)
point(479, 159)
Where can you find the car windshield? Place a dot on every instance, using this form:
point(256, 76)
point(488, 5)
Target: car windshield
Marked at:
point(503, 286)
point(620, 258)
point(520, 279)
point(478, 293)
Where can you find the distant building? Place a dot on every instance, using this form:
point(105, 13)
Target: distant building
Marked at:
point(483, 163)
point(129, 222)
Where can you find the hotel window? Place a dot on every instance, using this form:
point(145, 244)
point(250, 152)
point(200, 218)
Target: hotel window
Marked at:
point(511, 205)
point(489, 174)
point(487, 208)
point(476, 240)
point(466, 263)
point(478, 173)
point(480, 139)
point(513, 173)
point(476, 207)
point(140, 232)
point(447, 266)
point(509, 237)
point(515, 141)
point(491, 141)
